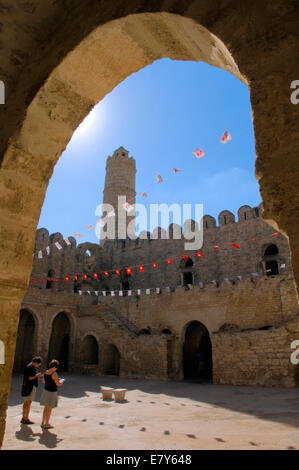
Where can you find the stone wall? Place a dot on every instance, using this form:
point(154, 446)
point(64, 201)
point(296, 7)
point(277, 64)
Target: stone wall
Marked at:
point(225, 263)
point(47, 48)
point(257, 357)
point(254, 316)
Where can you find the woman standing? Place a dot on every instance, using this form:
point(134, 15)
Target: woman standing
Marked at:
point(49, 397)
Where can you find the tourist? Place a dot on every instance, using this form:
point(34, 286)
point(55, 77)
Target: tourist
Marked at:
point(49, 397)
point(29, 386)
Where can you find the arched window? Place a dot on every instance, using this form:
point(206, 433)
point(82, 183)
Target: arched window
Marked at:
point(187, 272)
point(271, 250)
point(50, 279)
point(145, 331)
point(166, 331)
point(271, 260)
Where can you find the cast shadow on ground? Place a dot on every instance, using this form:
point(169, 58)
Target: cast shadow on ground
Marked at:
point(271, 404)
point(46, 438)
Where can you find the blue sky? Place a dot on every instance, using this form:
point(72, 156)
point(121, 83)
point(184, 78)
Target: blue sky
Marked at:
point(160, 114)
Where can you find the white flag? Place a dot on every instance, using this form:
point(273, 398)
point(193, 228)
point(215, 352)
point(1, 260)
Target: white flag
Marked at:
point(239, 277)
point(129, 292)
point(96, 292)
point(40, 254)
point(225, 137)
point(104, 293)
point(157, 290)
point(58, 246)
point(120, 293)
point(80, 292)
point(67, 241)
point(138, 291)
point(199, 153)
point(112, 293)
point(282, 266)
point(148, 291)
point(48, 250)
point(128, 207)
point(88, 292)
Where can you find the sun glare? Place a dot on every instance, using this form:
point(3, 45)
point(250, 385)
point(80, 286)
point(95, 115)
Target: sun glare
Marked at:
point(87, 123)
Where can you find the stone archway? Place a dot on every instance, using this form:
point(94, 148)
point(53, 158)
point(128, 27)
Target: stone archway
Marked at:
point(197, 352)
point(48, 94)
point(90, 351)
point(26, 340)
point(111, 360)
point(60, 341)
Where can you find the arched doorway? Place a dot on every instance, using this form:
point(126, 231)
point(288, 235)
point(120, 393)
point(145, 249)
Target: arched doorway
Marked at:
point(90, 351)
point(112, 360)
point(26, 341)
point(197, 353)
point(271, 260)
point(59, 341)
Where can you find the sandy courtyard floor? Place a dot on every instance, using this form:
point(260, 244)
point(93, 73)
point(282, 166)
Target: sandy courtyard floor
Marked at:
point(158, 415)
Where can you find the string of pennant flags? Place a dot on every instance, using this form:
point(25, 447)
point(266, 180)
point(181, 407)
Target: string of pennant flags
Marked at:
point(68, 243)
point(140, 267)
point(148, 291)
point(198, 153)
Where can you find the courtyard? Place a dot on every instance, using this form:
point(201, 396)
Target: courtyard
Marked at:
point(157, 415)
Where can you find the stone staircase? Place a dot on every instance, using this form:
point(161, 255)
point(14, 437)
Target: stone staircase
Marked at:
point(111, 318)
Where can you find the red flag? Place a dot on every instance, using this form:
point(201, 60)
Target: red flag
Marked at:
point(76, 278)
point(141, 269)
point(117, 272)
point(33, 280)
point(275, 234)
point(168, 261)
point(106, 273)
point(129, 271)
point(67, 278)
point(235, 245)
point(95, 275)
point(253, 239)
point(216, 247)
point(155, 265)
point(176, 170)
point(85, 277)
point(41, 281)
point(199, 254)
point(56, 279)
point(185, 256)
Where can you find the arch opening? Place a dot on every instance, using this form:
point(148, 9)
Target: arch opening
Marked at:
point(60, 340)
point(90, 351)
point(112, 360)
point(197, 353)
point(26, 340)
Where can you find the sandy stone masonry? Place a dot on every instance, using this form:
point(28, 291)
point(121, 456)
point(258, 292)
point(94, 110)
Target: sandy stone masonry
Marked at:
point(251, 323)
point(46, 49)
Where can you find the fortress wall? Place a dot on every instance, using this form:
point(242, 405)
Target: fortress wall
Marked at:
point(232, 314)
point(257, 358)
